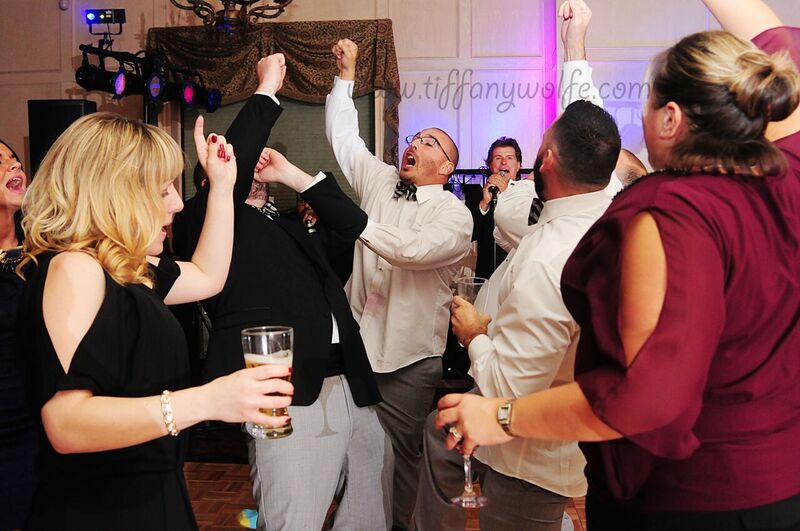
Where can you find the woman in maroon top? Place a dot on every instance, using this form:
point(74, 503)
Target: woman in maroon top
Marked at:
point(688, 295)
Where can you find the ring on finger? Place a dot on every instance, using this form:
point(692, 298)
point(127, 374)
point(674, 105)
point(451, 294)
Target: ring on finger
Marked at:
point(455, 433)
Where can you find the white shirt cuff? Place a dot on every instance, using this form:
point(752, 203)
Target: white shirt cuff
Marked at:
point(317, 179)
point(270, 96)
point(368, 230)
point(342, 87)
point(479, 345)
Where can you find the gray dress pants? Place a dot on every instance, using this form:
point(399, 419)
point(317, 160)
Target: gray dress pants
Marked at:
point(514, 504)
point(337, 450)
point(407, 399)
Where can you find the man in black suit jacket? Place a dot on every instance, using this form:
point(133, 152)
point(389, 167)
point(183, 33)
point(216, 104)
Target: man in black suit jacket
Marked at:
point(280, 274)
point(503, 162)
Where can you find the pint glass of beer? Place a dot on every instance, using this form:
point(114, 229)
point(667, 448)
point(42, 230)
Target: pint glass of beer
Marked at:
point(265, 345)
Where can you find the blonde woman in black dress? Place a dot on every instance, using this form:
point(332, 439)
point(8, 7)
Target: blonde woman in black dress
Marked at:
point(109, 364)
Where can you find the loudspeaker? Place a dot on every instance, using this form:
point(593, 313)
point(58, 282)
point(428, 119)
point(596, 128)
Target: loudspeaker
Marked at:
point(47, 119)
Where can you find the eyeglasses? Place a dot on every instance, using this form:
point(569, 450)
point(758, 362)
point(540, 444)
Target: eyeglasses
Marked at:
point(428, 141)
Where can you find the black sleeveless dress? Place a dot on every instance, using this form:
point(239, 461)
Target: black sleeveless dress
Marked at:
point(134, 348)
point(17, 425)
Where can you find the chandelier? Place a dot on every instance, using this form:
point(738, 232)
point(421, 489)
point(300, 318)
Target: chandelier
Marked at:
point(234, 13)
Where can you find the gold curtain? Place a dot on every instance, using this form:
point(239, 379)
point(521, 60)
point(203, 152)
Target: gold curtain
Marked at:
point(227, 62)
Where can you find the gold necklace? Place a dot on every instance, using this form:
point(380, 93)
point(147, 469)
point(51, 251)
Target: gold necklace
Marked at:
point(10, 259)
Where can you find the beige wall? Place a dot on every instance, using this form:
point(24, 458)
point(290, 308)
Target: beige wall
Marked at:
point(625, 35)
point(502, 41)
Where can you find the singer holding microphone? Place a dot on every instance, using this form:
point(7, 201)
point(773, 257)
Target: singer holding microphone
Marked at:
point(503, 161)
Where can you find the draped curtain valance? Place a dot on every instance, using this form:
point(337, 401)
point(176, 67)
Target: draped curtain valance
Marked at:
point(227, 62)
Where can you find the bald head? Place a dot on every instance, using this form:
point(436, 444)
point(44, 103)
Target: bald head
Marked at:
point(430, 158)
point(447, 143)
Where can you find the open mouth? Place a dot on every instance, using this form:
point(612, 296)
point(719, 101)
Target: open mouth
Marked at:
point(409, 161)
point(16, 185)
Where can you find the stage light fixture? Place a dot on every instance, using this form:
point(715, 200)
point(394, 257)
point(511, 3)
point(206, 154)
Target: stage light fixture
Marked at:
point(92, 77)
point(157, 86)
point(213, 100)
point(188, 93)
point(105, 16)
point(120, 82)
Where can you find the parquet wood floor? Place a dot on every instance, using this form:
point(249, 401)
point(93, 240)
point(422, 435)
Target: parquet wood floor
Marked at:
point(220, 490)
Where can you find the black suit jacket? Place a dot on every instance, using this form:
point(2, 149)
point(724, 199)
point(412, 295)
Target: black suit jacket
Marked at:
point(280, 274)
point(490, 255)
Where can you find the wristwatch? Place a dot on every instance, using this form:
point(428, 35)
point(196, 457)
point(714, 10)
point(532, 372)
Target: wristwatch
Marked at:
point(504, 416)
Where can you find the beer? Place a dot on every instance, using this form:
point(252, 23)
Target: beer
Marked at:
point(268, 345)
point(283, 357)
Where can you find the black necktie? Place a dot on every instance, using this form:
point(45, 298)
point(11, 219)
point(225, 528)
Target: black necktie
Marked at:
point(407, 190)
point(536, 209)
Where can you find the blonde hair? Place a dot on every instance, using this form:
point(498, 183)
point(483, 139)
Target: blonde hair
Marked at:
point(99, 191)
point(729, 90)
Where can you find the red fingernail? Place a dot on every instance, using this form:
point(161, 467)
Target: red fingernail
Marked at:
point(214, 138)
point(289, 420)
point(291, 370)
point(228, 159)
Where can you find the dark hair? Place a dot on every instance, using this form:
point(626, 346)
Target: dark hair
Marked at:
point(18, 213)
point(504, 141)
point(729, 91)
point(588, 143)
point(11, 150)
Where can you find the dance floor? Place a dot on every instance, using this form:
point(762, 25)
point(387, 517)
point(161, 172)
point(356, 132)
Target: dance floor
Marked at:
point(220, 490)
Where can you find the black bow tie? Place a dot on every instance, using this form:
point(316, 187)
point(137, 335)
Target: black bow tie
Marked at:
point(270, 210)
point(407, 190)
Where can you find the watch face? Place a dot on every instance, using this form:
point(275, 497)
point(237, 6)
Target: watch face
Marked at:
point(502, 413)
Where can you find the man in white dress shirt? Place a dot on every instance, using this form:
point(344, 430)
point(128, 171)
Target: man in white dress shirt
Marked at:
point(530, 342)
point(403, 265)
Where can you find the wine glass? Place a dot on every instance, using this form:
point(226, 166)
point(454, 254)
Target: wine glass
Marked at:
point(468, 499)
point(468, 288)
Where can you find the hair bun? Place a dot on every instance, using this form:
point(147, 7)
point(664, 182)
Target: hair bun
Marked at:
point(766, 85)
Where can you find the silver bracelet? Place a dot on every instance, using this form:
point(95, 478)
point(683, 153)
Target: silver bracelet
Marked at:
point(166, 412)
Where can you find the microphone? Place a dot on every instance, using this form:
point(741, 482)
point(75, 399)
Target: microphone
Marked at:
point(493, 189)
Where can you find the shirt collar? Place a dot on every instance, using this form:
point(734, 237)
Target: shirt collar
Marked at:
point(573, 204)
point(428, 191)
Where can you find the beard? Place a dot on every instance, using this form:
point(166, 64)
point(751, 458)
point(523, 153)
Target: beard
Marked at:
point(538, 182)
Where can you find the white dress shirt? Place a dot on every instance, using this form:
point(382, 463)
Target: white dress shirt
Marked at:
point(406, 257)
point(511, 214)
point(514, 204)
point(530, 343)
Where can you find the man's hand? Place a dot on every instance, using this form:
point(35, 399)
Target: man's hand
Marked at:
point(310, 216)
point(467, 321)
point(346, 53)
point(575, 16)
point(273, 167)
point(271, 71)
point(494, 180)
